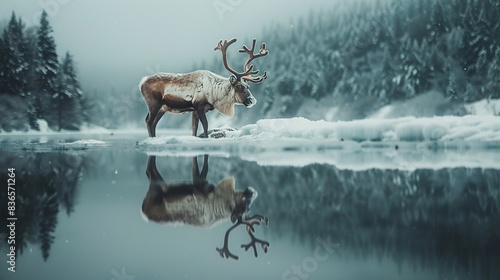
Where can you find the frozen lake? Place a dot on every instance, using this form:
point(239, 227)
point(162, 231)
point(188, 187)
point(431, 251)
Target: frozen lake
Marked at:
point(336, 209)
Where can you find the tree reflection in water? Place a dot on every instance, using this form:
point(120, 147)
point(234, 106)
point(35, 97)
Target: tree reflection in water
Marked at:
point(443, 220)
point(44, 182)
point(446, 219)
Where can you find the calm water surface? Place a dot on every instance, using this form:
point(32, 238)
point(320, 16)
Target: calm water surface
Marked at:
point(80, 215)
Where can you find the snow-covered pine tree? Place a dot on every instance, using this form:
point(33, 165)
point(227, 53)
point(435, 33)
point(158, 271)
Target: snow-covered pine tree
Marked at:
point(46, 72)
point(13, 59)
point(493, 76)
point(31, 37)
point(68, 96)
point(3, 67)
point(439, 22)
point(388, 79)
point(451, 89)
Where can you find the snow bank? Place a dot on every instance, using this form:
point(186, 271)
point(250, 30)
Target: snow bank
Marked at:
point(86, 142)
point(402, 143)
point(407, 129)
point(44, 129)
point(468, 128)
point(484, 108)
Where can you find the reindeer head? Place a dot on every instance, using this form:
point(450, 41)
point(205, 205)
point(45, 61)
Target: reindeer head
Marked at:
point(237, 202)
point(238, 80)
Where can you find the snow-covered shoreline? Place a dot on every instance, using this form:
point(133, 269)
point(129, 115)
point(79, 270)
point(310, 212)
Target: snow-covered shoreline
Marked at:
point(406, 129)
point(402, 143)
point(476, 128)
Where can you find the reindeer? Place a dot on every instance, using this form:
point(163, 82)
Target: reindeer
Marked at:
point(201, 91)
point(201, 204)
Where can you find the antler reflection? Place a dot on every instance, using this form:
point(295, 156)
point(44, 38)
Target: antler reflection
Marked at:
point(249, 222)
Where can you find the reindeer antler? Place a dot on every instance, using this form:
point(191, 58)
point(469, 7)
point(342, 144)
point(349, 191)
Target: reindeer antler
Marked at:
point(249, 222)
point(251, 56)
point(247, 69)
point(264, 244)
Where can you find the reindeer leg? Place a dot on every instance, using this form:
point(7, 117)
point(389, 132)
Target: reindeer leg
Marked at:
point(195, 172)
point(199, 178)
point(152, 171)
point(204, 170)
point(153, 201)
point(157, 118)
point(204, 122)
point(150, 120)
point(151, 166)
point(194, 123)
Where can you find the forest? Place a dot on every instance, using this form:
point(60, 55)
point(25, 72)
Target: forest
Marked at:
point(34, 84)
point(375, 53)
point(339, 64)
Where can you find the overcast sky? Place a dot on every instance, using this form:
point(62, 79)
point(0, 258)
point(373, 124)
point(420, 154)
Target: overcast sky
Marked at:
point(116, 42)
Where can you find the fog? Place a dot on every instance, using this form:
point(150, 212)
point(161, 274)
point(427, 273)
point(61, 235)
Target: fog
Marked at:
point(116, 43)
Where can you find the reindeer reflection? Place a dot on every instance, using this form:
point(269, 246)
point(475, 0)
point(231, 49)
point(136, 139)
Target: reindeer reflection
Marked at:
point(202, 204)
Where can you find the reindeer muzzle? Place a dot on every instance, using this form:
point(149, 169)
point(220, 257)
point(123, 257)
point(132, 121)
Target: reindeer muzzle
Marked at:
point(250, 194)
point(249, 102)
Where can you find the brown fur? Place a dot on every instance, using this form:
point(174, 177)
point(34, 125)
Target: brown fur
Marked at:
point(198, 203)
point(197, 92)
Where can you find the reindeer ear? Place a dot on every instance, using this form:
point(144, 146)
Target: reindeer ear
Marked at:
point(226, 185)
point(232, 79)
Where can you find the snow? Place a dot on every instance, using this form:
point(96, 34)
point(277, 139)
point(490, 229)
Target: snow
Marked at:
point(43, 126)
point(44, 129)
point(484, 108)
point(450, 128)
point(407, 129)
point(400, 143)
point(86, 142)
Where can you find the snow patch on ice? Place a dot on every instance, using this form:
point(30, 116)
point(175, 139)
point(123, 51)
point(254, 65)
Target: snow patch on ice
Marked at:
point(484, 107)
point(164, 140)
point(43, 126)
point(406, 129)
point(450, 128)
point(402, 143)
point(86, 142)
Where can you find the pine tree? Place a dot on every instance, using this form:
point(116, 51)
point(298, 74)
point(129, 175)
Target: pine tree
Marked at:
point(398, 22)
point(439, 22)
point(31, 36)
point(470, 94)
point(388, 79)
point(451, 90)
point(68, 96)
point(3, 67)
point(13, 58)
point(50, 208)
point(46, 71)
point(493, 76)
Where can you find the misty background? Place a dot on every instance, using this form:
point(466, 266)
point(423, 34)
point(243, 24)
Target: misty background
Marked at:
point(332, 60)
point(115, 44)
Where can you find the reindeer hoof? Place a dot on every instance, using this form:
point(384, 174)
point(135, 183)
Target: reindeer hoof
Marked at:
point(217, 133)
